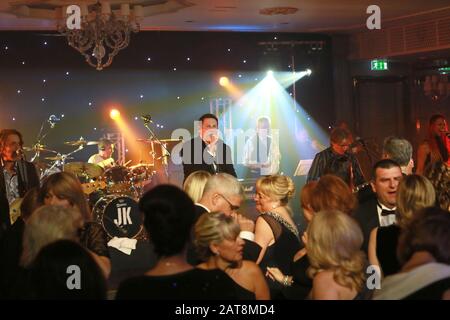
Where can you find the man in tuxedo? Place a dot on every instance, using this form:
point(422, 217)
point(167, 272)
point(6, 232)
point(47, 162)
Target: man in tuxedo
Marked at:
point(223, 193)
point(207, 152)
point(379, 211)
point(338, 160)
point(17, 176)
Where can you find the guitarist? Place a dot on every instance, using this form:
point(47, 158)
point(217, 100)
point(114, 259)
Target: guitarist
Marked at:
point(338, 159)
point(17, 176)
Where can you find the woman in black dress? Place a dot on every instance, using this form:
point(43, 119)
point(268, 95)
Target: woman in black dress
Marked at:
point(169, 216)
point(329, 193)
point(219, 245)
point(275, 230)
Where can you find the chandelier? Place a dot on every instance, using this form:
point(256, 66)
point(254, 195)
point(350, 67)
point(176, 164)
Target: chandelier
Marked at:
point(103, 32)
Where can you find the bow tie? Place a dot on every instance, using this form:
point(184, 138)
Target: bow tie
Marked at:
point(385, 212)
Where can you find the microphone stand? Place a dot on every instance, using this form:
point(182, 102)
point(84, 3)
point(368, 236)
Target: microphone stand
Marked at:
point(41, 136)
point(165, 151)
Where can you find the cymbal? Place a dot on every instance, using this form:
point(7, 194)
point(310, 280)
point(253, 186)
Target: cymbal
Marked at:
point(57, 158)
point(80, 142)
point(38, 147)
point(83, 168)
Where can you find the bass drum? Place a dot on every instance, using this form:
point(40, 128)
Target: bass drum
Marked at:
point(120, 216)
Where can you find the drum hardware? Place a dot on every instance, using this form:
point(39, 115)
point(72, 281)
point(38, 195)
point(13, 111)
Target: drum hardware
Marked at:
point(90, 187)
point(38, 146)
point(84, 169)
point(147, 119)
point(58, 157)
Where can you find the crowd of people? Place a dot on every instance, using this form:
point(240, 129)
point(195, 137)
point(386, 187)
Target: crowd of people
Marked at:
point(208, 248)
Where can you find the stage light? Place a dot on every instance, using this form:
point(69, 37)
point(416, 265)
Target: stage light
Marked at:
point(223, 81)
point(308, 72)
point(270, 73)
point(114, 114)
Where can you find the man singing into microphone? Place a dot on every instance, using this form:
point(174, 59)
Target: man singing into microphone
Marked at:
point(207, 152)
point(338, 160)
point(17, 176)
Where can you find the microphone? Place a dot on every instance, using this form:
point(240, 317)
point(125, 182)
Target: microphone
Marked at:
point(147, 118)
point(19, 154)
point(52, 120)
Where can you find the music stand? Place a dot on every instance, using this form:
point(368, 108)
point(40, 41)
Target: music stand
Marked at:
point(303, 167)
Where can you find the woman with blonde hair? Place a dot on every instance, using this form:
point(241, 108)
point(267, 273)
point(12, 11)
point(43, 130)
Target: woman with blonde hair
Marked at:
point(298, 285)
point(64, 189)
point(329, 193)
point(275, 230)
point(414, 193)
point(337, 262)
point(48, 224)
point(220, 247)
point(195, 184)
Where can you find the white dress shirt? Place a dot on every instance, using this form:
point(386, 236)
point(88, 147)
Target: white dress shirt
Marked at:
point(385, 220)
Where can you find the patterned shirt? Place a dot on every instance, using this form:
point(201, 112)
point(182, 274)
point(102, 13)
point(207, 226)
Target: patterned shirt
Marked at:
point(323, 164)
point(12, 186)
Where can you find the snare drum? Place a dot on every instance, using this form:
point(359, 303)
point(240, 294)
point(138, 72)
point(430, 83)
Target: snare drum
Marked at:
point(119, 215)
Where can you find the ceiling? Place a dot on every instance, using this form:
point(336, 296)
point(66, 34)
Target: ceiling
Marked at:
point(231, 15)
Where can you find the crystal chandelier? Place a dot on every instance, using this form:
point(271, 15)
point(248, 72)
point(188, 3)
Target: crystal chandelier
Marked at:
point(103, 32)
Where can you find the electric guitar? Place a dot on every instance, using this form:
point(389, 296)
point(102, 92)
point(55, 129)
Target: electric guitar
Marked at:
point(14, 209)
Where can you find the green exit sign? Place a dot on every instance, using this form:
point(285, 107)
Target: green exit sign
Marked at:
point(379, 65)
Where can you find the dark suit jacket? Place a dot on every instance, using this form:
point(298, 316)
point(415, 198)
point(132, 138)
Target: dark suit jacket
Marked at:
point(10, 252)
point(367, 217)
point(27, 178)
point(251, 248)
point(196, 158)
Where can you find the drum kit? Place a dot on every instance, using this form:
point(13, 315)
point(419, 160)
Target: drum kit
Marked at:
point(112, 192)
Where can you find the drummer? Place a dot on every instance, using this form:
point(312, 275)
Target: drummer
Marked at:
point(104, 156)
